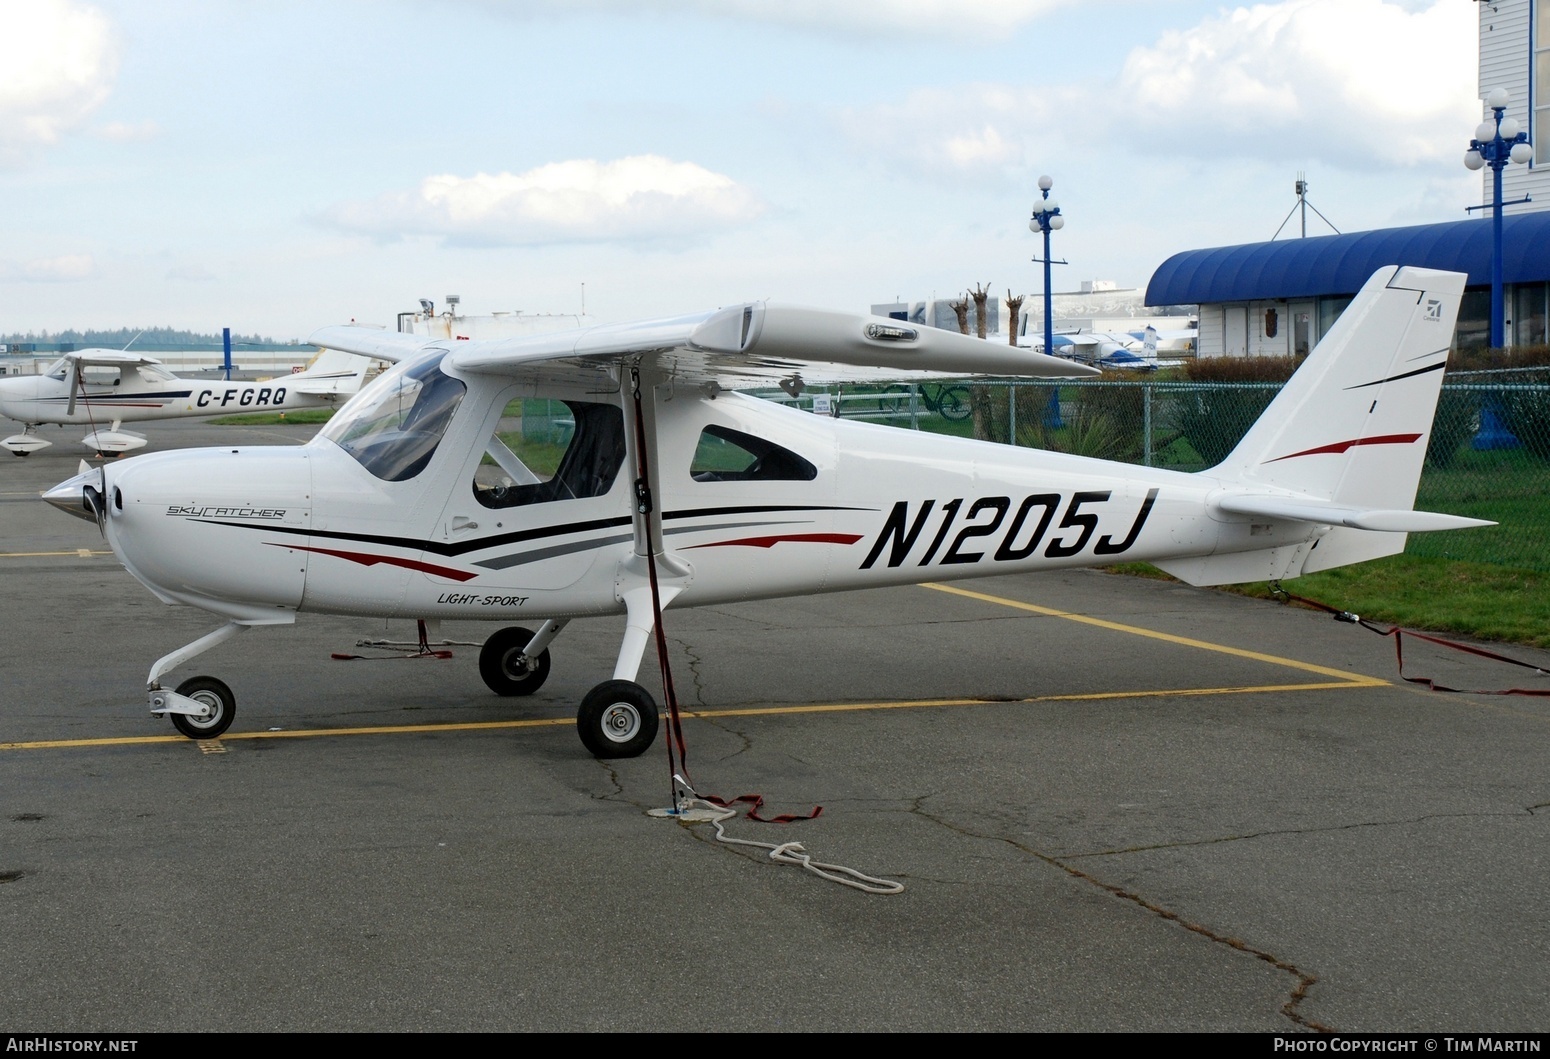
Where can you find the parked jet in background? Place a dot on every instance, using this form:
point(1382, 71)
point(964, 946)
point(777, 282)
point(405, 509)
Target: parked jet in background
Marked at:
point(104, 388)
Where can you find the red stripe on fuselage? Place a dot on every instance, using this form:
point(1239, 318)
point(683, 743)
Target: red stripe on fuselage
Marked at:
point(1346, 446)
point(367, 559)
point(770, 542)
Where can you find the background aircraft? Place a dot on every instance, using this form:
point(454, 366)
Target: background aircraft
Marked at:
point(673, 490)
point(104, 388)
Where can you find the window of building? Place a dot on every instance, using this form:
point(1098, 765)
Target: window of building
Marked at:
point(725, 455)
point(582, 465)
point(1528, 314)
point(1539, 87)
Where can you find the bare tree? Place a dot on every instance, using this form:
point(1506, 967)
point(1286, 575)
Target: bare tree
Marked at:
point(961, 309)
point(1014, 307)
point(980, 296)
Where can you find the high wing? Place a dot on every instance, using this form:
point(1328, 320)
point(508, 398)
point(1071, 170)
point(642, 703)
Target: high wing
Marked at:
point(374, 342)
point(753, 344)
point(107, 358)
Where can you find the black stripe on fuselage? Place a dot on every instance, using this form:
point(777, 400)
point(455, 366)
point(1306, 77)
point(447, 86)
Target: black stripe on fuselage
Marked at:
point(451, 549)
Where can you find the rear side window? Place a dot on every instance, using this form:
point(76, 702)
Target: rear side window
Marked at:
point(725, 455)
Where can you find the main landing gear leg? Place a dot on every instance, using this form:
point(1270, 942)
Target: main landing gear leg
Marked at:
point(201, 707)
point(618, 718)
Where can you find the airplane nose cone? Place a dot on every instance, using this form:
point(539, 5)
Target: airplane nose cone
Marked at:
point(81, 496)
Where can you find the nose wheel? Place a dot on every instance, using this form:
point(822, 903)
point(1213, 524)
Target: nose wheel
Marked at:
point(618, 718)
point(218, 703)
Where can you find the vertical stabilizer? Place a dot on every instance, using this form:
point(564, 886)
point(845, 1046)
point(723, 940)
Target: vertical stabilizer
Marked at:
point(1351, 426)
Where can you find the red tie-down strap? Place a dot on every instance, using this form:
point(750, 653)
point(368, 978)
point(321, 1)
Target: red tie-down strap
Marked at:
point(756, 801)
point(1399, 650)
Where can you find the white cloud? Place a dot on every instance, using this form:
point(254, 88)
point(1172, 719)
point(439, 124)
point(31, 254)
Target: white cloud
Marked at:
point(642, 197)
point(1355, 84)
point(65, 269)
point(1366, 78)
point(59, 60)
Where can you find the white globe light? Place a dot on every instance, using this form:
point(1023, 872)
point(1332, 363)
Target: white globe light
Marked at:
point(1045, 183)
point(1033, 225)
point(1521, 153)
point(1038, 207)
point(1498, 98)
point(1052, 205)
point(1485, 132)
point(1472, 159)
point(1508, 128)
point(1057, 222)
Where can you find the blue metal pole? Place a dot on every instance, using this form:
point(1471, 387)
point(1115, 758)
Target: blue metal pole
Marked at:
point(1497, 313)
point(226, 345)
point(1049, 312)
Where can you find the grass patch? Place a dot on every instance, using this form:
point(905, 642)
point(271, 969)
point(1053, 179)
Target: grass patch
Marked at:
point(1479, 600)
point(270, 419)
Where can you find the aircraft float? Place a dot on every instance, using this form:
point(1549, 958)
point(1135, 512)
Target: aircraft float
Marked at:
point(677, 491)
point(105, 388)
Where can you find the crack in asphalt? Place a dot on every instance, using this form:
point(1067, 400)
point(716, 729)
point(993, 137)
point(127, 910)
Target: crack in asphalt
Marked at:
point(1285, 831)
point(1305, 979)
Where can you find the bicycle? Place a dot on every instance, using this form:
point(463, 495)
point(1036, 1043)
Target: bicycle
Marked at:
point(950, 401)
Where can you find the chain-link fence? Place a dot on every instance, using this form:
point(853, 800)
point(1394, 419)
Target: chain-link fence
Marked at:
point(1489, 455)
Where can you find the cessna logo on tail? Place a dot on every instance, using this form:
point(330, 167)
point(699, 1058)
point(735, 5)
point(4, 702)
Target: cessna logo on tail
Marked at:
point(1433, 310)
point(1024, 533)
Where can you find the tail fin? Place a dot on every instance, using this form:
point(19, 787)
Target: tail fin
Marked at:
point(332, 373)
point(1344, 441)
point(1352, 424)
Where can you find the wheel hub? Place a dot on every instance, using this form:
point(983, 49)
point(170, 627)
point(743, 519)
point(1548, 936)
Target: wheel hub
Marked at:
point(620, 722)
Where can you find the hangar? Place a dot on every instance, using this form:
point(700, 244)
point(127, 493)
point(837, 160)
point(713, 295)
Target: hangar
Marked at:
point(1275, 298)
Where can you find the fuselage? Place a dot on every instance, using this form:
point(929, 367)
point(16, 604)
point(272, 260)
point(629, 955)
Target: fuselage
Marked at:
point(46, 399)
point(412, 504)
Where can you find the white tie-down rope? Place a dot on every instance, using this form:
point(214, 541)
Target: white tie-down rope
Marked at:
point(697, 811)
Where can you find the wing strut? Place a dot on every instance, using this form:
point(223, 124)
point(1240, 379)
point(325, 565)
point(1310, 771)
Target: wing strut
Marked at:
point(648, 542)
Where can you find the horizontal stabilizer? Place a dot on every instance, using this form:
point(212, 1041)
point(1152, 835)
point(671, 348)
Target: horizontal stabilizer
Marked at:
point(1309, 510)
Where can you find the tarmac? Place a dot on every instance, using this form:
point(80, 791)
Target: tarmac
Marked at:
point(1114, 804)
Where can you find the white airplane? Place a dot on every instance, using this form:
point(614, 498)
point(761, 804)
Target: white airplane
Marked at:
point(675, 491)
point(104, 388)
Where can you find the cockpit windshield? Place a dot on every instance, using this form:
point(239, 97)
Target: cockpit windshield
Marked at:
point(394, 425)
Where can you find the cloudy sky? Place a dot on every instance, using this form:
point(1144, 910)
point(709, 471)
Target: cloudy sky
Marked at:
point(275, 166)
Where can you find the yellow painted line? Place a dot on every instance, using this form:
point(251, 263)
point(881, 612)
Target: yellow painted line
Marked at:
point(1136, 630)
point(76, 553)
point(1345, 679)
point(749, 711)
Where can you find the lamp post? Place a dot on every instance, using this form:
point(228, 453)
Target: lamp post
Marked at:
point(1497, 142)
point(1046, 218)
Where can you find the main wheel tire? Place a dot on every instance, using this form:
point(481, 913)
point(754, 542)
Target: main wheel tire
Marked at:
point(212, 693)
point(500, 663)
point(618, 718)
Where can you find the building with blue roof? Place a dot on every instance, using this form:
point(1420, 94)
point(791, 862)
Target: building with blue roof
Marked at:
point(1275, 298)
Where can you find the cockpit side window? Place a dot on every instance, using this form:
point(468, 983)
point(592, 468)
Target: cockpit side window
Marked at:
point(583, 465)
point(726, 455)
point(394, 425)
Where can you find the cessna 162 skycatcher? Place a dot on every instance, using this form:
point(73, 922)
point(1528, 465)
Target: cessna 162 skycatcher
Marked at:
point(105, 388)
point(676, 491)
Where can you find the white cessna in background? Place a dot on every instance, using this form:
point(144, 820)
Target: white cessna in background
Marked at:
point(105, 388)
point(675, 491)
